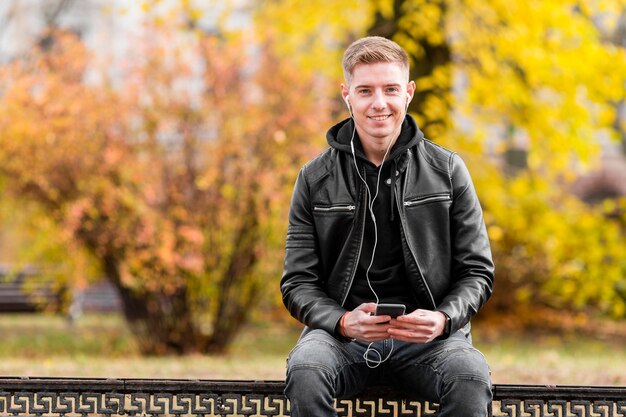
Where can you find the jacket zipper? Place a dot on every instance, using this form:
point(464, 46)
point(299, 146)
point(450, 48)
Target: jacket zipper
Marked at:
point(427, 199)
point(408, 243)
point(358, 255)
point(334, 208)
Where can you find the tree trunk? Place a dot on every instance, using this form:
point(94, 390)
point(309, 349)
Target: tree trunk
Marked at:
point(435, 57)
point(161, 323)
point(236, 298)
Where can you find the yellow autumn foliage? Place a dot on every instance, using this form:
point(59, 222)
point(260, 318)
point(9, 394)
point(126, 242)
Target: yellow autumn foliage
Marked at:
point(166, 175)
point(176, 176)
point(536, 77)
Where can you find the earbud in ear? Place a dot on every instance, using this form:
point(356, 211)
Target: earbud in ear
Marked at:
point(347, 100)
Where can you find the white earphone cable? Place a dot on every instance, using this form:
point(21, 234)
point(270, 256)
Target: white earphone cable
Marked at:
point(372, 363)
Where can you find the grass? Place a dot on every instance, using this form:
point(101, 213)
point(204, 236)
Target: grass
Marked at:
point(558, 360)
point(101, 346)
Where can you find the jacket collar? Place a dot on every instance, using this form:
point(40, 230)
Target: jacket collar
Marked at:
point(340, 135)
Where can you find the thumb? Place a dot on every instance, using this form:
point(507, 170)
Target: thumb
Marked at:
point(367, 307)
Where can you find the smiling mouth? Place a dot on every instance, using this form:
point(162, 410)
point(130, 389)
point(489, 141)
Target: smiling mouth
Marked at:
point(380, 118)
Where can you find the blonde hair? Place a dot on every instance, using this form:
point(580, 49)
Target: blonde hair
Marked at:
point(372, 50)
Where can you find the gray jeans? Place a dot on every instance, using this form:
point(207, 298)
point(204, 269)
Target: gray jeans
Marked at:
point(450, 372)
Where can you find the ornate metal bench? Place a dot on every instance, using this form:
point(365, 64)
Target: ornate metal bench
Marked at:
point(165, 397)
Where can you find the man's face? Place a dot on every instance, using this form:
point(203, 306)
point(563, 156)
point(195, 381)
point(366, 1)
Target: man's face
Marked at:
point(378, 95)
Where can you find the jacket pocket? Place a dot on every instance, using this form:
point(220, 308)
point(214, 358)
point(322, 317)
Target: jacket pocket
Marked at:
point(427, 199)
point(333, 225)
point(340, 208)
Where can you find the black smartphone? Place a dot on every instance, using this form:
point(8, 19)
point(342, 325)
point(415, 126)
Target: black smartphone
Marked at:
point(393, 310)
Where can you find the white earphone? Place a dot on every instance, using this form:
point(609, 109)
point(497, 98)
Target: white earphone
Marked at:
point(347, 100)
point(378, 356)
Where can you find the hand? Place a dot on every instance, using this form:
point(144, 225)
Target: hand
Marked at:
point(421, 326)
point(360, 324)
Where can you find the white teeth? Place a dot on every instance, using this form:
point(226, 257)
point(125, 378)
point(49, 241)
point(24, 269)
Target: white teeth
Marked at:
point(379, 118)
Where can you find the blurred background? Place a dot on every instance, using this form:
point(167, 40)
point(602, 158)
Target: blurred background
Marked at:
point(148, 150)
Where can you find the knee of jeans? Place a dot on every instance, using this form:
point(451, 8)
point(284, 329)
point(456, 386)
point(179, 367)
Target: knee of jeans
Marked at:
point(315, 352)
point(467, 396)
point(467, 365)
point(466, 383)
point(310, 364)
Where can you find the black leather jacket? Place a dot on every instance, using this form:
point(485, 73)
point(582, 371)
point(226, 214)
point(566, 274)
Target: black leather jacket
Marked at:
point(446, 249)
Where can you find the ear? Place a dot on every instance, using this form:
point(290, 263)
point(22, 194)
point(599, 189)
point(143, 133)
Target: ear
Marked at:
point(345, 91)
point(410, 91)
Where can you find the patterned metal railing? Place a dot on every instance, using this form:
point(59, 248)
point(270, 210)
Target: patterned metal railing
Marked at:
point(42, 397)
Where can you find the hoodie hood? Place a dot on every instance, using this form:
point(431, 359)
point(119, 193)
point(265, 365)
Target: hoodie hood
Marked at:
point(340, 135)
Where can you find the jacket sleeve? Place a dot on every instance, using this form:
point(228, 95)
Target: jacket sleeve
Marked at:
point(472, 264)
point(302, 284)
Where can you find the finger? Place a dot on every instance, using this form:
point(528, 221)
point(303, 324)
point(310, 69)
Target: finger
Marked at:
point(367, 307)
point(403, 336)
point(413, 332)
point(399, 326)
point(417, 312)
point(374, 335)
point(366, 328)
point(407, 321)
point(376, 339)
point(408, 336)
point(380, 319)
point(367, 318)
point(420, 334)
point(414, 315)
point(417, 319)
point(377, 335)
point(406, 332)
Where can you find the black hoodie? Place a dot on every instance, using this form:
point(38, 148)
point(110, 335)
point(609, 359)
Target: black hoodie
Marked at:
point(381, 261)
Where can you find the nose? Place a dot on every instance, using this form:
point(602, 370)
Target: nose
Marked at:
point(380, 101)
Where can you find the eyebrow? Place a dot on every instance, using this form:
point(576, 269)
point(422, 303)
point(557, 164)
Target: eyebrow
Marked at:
point(386, 85)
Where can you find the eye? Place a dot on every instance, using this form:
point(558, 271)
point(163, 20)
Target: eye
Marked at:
point(393, 90)
point(363, 91)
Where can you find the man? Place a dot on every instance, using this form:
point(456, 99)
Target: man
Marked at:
point(385, 216)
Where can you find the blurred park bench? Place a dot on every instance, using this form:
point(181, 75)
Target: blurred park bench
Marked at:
point(162, 397)
point(27, 290)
